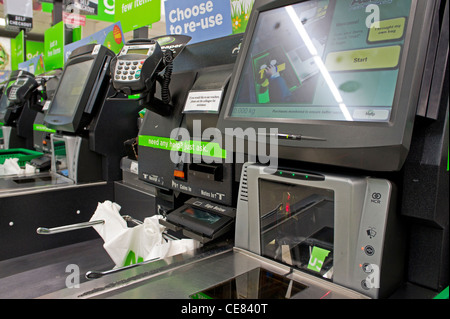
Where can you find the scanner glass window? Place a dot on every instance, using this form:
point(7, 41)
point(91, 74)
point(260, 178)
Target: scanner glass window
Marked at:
point(297, 226)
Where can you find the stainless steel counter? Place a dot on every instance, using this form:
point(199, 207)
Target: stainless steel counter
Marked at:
point(41, 273)
point(17, 184)
point(183, 276)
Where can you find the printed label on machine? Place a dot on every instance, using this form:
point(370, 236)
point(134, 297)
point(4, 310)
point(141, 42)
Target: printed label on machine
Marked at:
point(203, 101)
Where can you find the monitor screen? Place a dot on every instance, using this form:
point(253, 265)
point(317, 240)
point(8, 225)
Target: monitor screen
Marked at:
point(138, 51)
point(4, 102)
point(71, 88)
point(201, 215)
point(323, 60)
point(20, 82)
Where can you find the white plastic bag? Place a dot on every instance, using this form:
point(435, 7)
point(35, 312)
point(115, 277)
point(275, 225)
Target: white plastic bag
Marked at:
point(130, 245)
point(113, 222)
point(11, 167)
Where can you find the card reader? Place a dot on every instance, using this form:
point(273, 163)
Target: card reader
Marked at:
point(135, 68)
point(201, 219)
point(22, 88)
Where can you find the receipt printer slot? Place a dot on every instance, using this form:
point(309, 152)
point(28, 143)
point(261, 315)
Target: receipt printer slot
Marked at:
point(212, 172)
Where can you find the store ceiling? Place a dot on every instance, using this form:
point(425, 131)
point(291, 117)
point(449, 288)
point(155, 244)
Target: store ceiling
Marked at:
point(43, 20)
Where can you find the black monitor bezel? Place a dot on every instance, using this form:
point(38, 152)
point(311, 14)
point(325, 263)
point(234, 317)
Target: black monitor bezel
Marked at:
point(71, 123)
point(341, 143)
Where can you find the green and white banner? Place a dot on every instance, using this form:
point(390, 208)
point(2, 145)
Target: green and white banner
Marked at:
point(54, 47)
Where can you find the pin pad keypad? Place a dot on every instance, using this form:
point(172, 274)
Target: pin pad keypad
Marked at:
point(128, 70)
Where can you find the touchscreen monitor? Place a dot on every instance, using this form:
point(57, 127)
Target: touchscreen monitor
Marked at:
point(323, 60)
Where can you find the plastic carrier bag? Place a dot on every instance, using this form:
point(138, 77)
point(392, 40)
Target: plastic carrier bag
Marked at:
point(130, 245)
point(11, 167)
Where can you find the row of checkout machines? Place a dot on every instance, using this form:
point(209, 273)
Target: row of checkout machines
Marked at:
point(313, 145)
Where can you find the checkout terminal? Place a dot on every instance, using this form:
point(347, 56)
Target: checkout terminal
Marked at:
point(28, 95)
point(15, 114)
point(48, 83)
point(89, 127)
point(196, 197)
point(342, 95)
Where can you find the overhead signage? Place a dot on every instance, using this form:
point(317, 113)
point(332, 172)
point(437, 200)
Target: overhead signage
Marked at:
point(201, 19)
point(111, 37)
point(34, 49)
point(74, 19)
point(85, 7)
point(106, 9)
point(134, 14)
point(54, 47)
point(18, 15)
point(19, 48)
point(34, 65)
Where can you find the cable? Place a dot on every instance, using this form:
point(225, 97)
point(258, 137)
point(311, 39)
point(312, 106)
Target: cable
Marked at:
point(168, 61)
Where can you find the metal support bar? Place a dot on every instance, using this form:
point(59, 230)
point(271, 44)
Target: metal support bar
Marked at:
point(98, 274)
point(62, 229)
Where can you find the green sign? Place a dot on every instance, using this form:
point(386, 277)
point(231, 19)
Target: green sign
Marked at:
point(54, 47)
point(17, 50)
point(42, 128)
point(47, 7)
point(190, 147)
point(105, 11)
point(20, 47)
point(134, 14)
point(34, 49)
point(76, 34)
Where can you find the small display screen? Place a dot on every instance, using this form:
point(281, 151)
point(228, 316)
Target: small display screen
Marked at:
point(21, 82)
point(323, 60)
point(4, 102)
point(201, 215)
point(297, 226)
point(138, 51)
point(71, 88)
point(258, 283)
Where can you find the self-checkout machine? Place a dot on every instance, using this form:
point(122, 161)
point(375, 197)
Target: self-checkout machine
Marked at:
point(332, 215)
point(194, 188)
point(90, 128)
point(191, 190)
point(26, 98)
point(347, 117)
point(16, 116)
point(41, 134)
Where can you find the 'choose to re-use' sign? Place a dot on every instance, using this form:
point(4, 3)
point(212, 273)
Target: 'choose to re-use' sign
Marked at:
point(201, 19)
